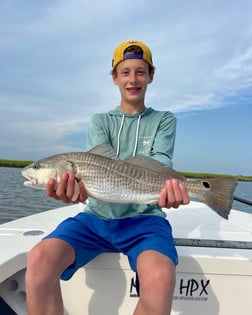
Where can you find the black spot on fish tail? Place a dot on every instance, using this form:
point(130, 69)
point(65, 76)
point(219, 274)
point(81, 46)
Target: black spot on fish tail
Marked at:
point(219, 194)
point(206, 184)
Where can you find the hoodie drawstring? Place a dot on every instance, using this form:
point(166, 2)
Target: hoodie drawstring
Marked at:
point(119, 135)
point(137, 133)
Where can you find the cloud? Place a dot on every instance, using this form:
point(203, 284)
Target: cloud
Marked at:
point(55, 59)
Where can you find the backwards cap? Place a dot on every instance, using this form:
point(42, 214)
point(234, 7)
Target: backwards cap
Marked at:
point(119, 52)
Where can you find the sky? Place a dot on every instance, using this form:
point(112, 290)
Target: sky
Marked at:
point(55, 63)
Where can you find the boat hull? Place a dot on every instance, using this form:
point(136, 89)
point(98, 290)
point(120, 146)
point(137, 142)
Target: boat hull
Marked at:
point(214, 274)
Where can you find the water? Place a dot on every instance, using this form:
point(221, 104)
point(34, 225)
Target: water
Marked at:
point(17, 201)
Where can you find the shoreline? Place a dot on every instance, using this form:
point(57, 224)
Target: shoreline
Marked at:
point(21, 164)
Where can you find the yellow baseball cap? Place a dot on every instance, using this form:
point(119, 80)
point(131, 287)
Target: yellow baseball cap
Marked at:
point(119, 52)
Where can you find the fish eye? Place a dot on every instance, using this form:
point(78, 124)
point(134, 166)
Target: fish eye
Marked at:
point(36, 166)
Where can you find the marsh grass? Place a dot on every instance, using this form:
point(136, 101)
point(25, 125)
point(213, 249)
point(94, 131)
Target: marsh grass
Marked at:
point(21, 164)
point(14, 163)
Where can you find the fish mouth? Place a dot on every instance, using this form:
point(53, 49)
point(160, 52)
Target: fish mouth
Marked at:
point(32, 181)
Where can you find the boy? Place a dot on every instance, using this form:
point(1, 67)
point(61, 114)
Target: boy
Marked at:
point(139, 231)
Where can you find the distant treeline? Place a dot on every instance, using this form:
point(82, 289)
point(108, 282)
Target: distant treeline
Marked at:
point(17, 163)
point(14, 163)
point(208, 175)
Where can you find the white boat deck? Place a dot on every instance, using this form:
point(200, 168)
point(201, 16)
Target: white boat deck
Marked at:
point(211, 249)
point(19, 236)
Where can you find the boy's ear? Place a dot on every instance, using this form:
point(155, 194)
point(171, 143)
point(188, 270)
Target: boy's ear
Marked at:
point(151, 77)
point(114, 78)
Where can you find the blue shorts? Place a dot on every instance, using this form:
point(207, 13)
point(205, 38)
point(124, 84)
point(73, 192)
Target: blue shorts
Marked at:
point(90, 236)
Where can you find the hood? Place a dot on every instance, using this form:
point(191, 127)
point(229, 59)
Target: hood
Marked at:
point(119, 112)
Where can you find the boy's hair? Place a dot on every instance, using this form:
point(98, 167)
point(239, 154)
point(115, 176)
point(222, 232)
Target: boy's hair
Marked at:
point(132, 50)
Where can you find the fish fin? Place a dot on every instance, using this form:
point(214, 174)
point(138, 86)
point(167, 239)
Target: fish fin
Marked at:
point(104, 150)
point(154, 165)
point(76, 191)
point(219, 194)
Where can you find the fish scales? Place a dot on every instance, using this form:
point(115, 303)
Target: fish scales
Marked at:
point(136, 180)
point(119, 179)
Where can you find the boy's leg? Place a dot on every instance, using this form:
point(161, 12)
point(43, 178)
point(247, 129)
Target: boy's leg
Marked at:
point(46, 262)
point(157, 275)
point(71, 245)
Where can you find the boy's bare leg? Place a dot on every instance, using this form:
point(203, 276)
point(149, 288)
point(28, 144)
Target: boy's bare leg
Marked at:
point(157, 276)
point(46, 262)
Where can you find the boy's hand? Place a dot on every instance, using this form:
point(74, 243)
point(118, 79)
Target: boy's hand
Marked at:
point(173, 195)
point(68, 189)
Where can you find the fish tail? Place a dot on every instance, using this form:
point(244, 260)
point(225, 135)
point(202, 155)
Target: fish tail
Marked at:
point(219, 194)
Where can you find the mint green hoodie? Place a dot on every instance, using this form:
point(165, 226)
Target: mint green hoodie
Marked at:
point(151, 133)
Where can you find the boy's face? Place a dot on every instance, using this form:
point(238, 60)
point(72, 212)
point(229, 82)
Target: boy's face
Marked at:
point(132, 78)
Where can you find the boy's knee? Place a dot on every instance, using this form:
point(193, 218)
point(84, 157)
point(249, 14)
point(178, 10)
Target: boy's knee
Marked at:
point(36, 257)
point(161, 280)
point(38, 267)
